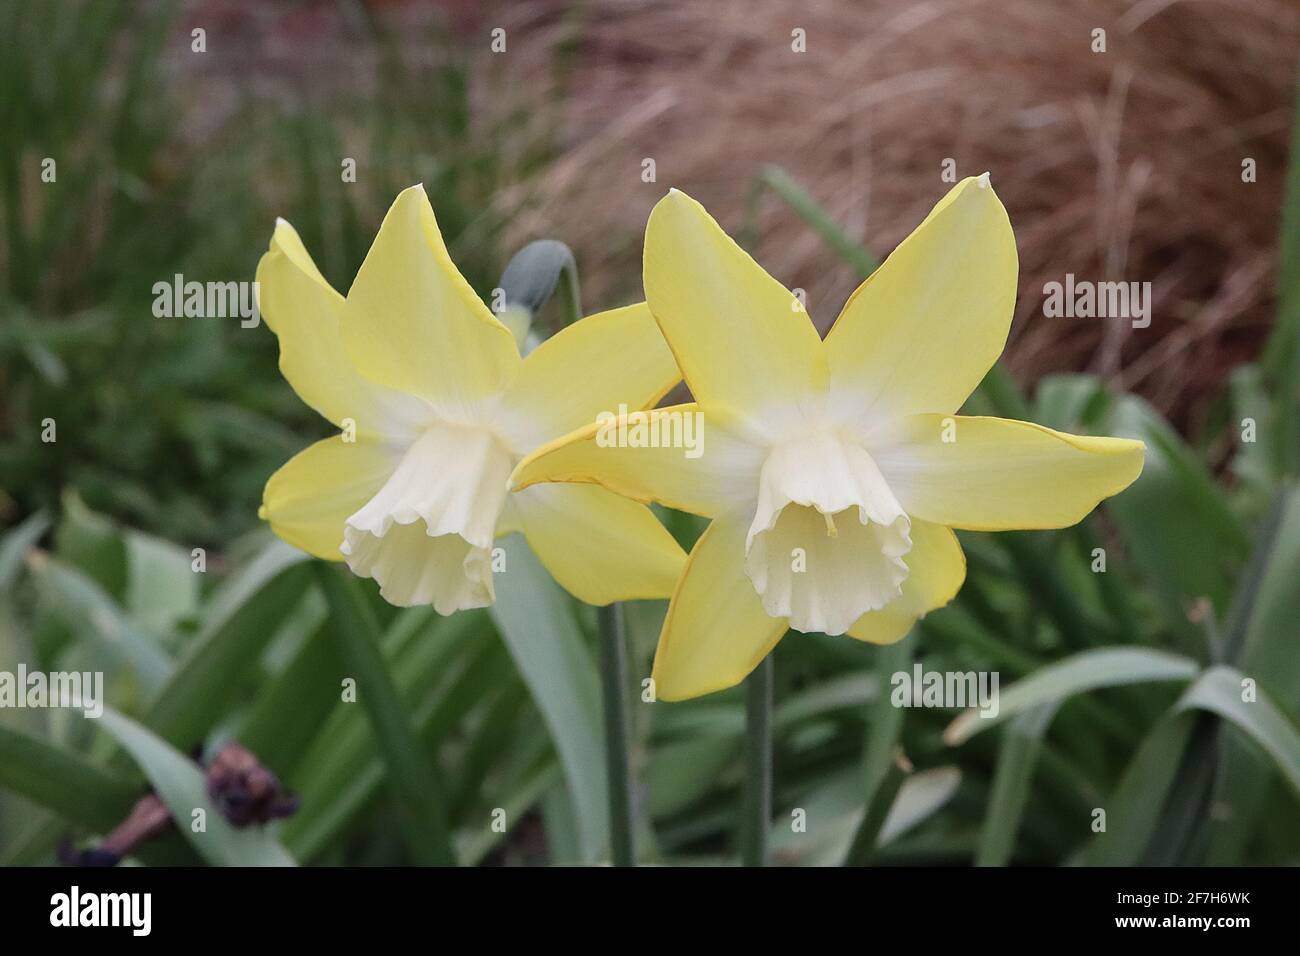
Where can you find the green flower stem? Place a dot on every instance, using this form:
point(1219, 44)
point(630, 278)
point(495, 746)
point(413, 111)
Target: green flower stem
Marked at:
point(613, 679)
point(756, 809)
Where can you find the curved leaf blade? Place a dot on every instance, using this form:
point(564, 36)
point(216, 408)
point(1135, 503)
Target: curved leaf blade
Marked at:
point(180, 785)
point(538, 623)
point(1089, 670)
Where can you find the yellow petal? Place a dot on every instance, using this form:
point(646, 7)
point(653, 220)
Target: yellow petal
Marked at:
point(923, 330)
point(305, 313)
point(309, 500)
point(592, 366)
point(598, 546)
point(992, 474)
point(718, 475)
point(716, 630)
point(413, 323)
point(745, 345)
point(936, 569)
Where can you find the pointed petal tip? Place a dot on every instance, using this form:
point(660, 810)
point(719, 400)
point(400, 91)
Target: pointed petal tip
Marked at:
point(675, 195)
point(283, 229)
point(983, 180)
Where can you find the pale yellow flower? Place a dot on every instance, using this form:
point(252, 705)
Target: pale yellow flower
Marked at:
point(436, 407)
point(835, 471)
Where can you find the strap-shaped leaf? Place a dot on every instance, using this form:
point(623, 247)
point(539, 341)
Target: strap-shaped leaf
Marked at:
point(1089, 670)
point(180, 784)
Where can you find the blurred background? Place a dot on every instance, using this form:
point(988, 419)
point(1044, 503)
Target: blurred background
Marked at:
point(819, 135)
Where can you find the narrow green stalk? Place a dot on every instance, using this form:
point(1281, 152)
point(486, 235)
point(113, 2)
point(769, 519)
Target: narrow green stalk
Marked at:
point(756, 809)
point(613, 671)
point(808, 209)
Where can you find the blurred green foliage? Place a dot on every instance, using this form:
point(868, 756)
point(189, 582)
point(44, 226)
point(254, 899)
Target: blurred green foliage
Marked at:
point(1121, 690)
point(175, 423)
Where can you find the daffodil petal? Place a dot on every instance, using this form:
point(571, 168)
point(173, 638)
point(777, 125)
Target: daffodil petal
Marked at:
point(599, 546)
point(305, 313)
point(743, 341)
point(920, 333)
point(426, 535)
point(936, 569)
point(308, 501)
point(717, 476)
point(992, 474)
point(593, 366)
point(412, 322)
point(716, 631)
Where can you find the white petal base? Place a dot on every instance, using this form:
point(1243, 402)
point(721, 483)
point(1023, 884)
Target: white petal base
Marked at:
point(426, 536)
point(828, 537)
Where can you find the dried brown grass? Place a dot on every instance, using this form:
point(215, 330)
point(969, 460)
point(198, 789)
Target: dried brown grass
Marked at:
point(1118, 165)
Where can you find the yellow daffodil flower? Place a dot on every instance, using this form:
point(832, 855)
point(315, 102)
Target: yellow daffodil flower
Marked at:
point(834, 470)
point(436, 407)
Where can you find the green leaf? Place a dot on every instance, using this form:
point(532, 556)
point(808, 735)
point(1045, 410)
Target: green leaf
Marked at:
point(1269, 650)
point(64, 782)
point(161, 586)
point(1253, 462)
point(681, 772)
point(1088, 670)
point(78, 599)
point(414, 781)
point(881, 796)
point(15, 544)
point(1021, 742)
point(1220, 691)
point(882, 775)
point(238, 622)
point(537, 621)
point(1134, 807)
point(291, 708)
point(850, 691)
point(93, 544)
point(180, 784)
point(1174, 519)
point(834, 811)
point(884, 720)
point(1068, 402)
point(1259, 637)
point(341, 772)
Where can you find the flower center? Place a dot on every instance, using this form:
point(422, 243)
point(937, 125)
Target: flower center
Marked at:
point(426, 536)
point(820, 572)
